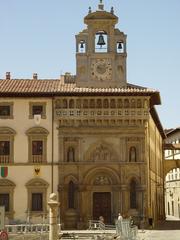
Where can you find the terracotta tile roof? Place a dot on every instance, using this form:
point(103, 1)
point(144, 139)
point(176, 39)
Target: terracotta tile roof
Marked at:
point(53, 87)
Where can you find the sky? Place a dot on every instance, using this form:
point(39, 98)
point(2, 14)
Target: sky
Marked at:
point(38, 36)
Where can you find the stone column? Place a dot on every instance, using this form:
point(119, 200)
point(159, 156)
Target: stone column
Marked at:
point(53, 211)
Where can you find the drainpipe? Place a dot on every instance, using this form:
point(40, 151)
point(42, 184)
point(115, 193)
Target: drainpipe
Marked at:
point(52, 151)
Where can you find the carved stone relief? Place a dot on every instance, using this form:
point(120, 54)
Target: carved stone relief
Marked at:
point(101, 153)
point(101, 180)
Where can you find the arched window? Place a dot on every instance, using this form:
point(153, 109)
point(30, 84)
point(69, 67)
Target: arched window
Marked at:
point(78, 103)
point(99, 103)
point(139, 103)
point(64, 103)
point(133, 103)
point(126, 103)
point(112, 103)
point(132, 154)
point(92, 103)
point(70, 155)
point(133, 199)
point(71, 103)
point(120, 103)
point(85, 103)
point(105, 103)
point(71, 195)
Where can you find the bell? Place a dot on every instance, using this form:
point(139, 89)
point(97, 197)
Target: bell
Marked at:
point(120, 45)
point(81, 44)
point(101, 40)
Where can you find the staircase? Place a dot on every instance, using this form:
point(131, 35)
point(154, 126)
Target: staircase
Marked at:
point(168, 225)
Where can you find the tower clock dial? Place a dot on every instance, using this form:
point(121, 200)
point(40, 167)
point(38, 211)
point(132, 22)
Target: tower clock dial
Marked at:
point(101, 69)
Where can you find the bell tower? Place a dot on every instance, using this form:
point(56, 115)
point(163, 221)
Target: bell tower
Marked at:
point(101, 51)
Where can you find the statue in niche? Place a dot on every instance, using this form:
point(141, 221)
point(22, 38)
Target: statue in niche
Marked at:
point(70, 155)
point(132, 154)
point(101, 180)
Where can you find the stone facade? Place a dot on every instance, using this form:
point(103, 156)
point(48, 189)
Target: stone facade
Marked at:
point(93, 138)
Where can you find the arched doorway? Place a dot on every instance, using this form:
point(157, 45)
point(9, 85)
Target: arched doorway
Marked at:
point(102, 194)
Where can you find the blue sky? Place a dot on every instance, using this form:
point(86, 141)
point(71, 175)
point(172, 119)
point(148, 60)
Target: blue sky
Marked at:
point(39, 36)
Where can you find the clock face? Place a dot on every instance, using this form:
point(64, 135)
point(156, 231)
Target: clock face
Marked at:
point(101, 69)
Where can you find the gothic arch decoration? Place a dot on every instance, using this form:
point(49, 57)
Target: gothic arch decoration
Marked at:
point(70, 178)
point(71, 183)
point(100, 152)
point(101, 176)
point(132, 154)
point(133, 183)
point(134, 177)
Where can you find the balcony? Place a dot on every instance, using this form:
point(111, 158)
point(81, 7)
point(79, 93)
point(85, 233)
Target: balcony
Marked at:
point(101, 113)
point(37, 158)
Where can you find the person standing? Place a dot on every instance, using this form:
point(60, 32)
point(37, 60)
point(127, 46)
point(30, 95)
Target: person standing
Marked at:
point(120, 217)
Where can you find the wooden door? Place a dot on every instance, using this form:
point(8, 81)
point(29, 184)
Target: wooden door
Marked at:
point(102, 206)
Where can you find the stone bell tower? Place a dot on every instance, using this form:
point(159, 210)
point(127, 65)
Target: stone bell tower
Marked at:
point(101, 51)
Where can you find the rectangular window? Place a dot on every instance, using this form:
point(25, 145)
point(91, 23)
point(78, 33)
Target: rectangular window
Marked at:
point(37, 109)
point(37, 202)
point(37, 147)
point(4, 201)
point(4, 148)
point(5, 110)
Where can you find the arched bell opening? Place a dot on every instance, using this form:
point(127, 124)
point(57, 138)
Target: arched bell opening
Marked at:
point(81, 46)
point(120, 47)
point(101, 42)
